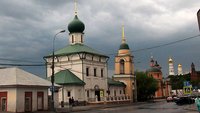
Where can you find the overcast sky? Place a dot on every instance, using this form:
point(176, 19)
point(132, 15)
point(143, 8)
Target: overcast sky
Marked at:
point(27, 28)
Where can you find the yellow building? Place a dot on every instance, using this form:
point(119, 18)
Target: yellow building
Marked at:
point(124, 68)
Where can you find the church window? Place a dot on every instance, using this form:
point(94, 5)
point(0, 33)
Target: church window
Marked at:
point(120, 92)
point(101, 72)
point(114, 92)
point(81, 38)
point(88, 93)
point(95, 72)
point(68, 93)
point(87, 71)
point(72, 38)
point(122, 67)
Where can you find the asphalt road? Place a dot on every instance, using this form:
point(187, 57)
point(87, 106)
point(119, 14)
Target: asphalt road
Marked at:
point(159, 107)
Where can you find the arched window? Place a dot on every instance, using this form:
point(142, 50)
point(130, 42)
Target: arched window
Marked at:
point(122, 71)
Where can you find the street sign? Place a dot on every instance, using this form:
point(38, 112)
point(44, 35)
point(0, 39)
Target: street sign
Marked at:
point(101, 93)
point(55, 89)
point(187, 89)
point(186, 83)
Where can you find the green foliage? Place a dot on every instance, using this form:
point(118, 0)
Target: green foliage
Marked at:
point(146, 86)
point(195, 83)
point(176, 81)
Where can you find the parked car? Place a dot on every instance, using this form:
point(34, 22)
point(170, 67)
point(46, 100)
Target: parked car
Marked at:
point(185, 100)
point(172, 98)
point(169, 99)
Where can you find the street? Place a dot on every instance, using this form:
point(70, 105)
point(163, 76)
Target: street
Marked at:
point(159, 107)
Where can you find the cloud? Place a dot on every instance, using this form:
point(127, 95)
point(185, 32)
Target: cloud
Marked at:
point(27, 28)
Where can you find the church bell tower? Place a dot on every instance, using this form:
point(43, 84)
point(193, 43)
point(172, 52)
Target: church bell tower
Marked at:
point(124, 67)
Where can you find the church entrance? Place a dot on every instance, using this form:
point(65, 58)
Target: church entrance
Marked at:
point(97, 93)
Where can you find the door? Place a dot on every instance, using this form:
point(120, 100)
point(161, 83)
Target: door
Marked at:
point(40, 102)
point(98, 94)
point(3, 104)
point(3, 101)
point(28, 102)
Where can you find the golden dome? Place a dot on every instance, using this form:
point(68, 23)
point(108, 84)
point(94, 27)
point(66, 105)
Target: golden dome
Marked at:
point(170, 60)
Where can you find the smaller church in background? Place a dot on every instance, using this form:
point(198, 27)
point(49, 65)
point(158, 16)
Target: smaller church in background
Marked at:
point(164, 88)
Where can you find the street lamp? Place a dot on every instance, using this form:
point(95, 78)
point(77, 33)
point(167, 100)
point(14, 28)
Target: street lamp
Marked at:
point(52, 76)
point(198, 17)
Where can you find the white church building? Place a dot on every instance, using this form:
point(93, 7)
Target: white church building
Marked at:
point(81, 70)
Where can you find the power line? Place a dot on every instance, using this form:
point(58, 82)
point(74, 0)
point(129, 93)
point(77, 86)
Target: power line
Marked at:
point(19, 60)
point(170, 43)
point(162, 45)
point(8, 64)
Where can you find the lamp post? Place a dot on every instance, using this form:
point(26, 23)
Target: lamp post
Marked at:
point(198, 18)
point(52, 76)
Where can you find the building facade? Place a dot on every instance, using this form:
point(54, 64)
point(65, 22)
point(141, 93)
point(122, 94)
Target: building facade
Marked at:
point(89, 65)
point(22, 91)
point(194, 75)
point(164, 87)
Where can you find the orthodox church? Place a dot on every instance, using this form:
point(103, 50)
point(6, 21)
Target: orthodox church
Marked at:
point(164, 87)
point(83, 71)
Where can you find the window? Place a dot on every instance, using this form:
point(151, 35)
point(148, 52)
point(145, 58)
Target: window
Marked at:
point(121, 66)
point(87, 71)
point(88, 94)
point(69, 94)
point(120, 92)
point(114, 92)
point(95, 72)
point(81, 38)
point(72, 38)
point(101, 72)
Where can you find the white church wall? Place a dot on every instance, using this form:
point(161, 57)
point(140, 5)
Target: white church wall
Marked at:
point(116, 89)
point(77, 92)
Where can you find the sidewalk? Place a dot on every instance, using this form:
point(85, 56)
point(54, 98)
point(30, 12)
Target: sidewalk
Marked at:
point(191, 107)
point(92, 107)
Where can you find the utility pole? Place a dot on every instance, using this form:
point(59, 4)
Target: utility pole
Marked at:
point(52, 76)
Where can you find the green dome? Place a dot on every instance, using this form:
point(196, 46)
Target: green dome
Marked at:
point(124, 46)
point(76, 26)
point(154, 69)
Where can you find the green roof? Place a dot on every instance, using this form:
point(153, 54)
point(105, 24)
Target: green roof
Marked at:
point(76, 48)
point(154, 69)
point(76, 26)
point(66, 77)
point(112, 82)
point(124, 46)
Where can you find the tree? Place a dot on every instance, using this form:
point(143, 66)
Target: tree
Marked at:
point(177, 81)
point(146, 86)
